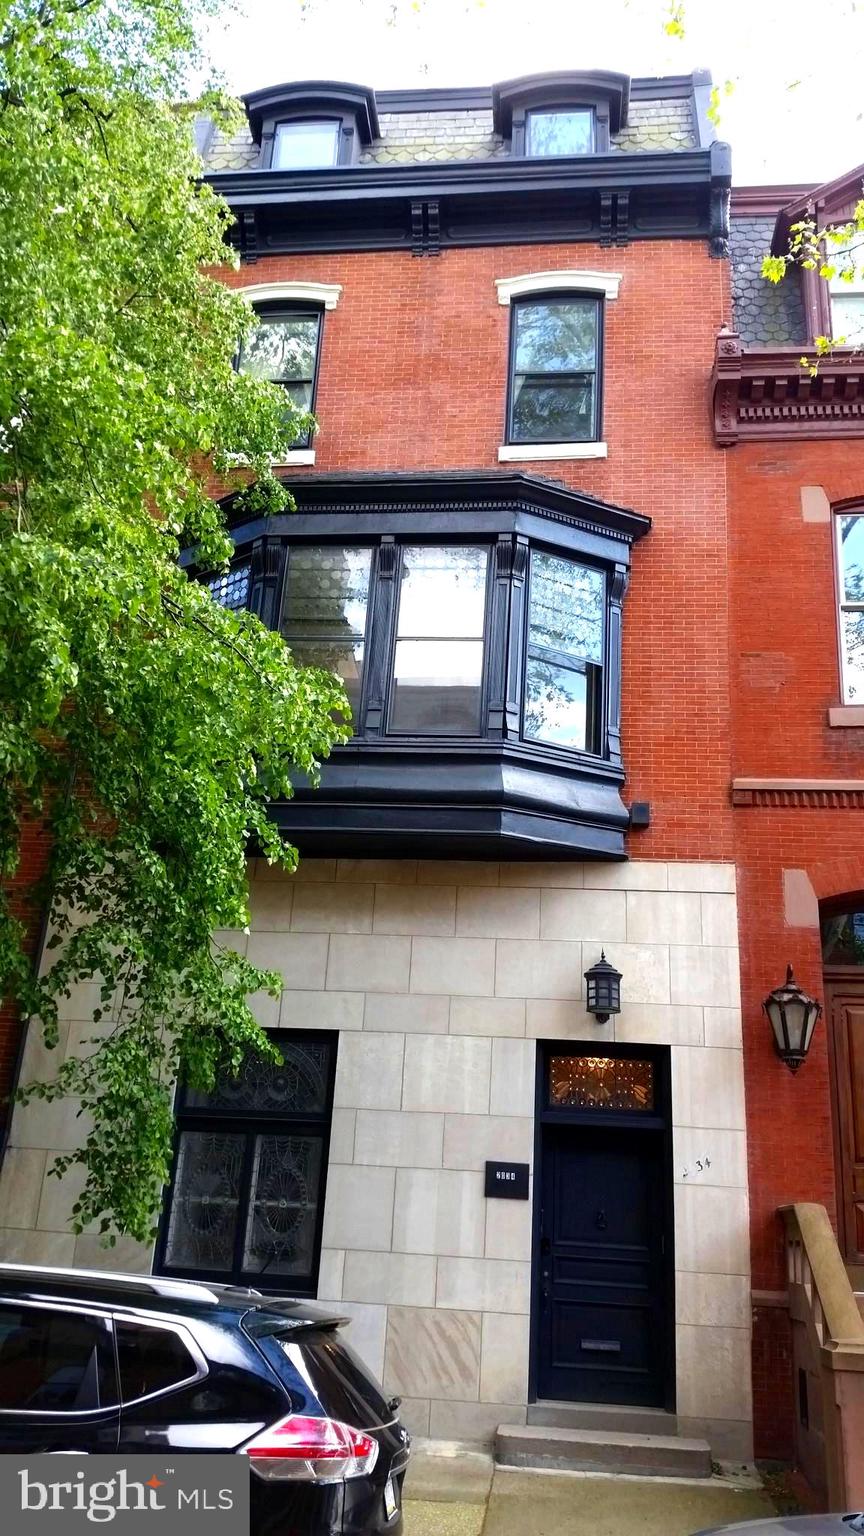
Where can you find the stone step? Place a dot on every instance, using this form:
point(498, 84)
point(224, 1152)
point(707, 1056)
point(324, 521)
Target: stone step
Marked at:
point(601, 1450)
point(623, 1420)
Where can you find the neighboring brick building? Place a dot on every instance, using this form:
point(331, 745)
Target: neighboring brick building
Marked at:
point(503, 306)
point(795, 480)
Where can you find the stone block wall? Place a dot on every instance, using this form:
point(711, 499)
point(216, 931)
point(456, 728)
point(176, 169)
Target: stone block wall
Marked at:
point(441, 978)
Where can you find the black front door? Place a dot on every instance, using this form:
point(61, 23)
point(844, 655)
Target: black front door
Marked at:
point(601, 1289)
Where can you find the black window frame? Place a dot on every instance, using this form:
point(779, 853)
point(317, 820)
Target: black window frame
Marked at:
point(571, 108)
point(595, 672)
point(295, 309)
point(558, 296)
point(251, 1124)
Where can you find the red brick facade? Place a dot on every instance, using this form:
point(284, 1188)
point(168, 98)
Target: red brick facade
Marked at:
point(784, 677)
point(21, 893)
point(413, 375)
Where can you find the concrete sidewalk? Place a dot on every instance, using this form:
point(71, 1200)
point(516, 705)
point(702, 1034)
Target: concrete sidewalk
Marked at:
point(451, 1491)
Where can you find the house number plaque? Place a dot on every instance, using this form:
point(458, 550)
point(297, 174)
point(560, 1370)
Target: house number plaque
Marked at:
point(506, 1181)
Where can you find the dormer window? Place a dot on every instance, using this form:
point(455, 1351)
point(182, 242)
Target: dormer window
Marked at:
point(306, 125)
point(563, 131)
point(571, 112)
point(305, 146)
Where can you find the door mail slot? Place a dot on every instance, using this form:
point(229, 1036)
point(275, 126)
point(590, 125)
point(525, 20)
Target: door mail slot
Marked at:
point(601, 1346)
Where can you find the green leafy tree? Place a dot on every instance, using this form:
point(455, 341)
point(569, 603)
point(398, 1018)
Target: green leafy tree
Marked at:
point(146, 724)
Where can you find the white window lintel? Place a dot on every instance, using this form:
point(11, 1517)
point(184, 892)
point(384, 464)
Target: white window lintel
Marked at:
point(325, 294)
point(510, 288)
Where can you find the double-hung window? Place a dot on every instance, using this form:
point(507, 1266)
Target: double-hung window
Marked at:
point(325, 610)
point(438, 656)
point(849, 535)
point(560, 131)
point(247, 1193)
point(284, 349)
point(554, 386)
point(563, 667)
point(847, 292)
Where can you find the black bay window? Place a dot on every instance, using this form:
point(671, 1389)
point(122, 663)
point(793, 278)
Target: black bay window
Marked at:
point(284, 350)
point(246, 1199)
point(554, 386)
point(475, 622)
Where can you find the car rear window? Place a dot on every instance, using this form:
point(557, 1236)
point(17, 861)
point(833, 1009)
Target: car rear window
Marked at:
point(341, 1382)
point(53, 1362)
point(151, 1359)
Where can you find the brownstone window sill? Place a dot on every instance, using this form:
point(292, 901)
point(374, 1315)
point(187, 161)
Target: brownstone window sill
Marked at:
point(846, 715)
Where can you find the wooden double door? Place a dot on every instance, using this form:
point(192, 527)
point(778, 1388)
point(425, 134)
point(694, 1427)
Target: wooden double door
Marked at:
point(844, 997)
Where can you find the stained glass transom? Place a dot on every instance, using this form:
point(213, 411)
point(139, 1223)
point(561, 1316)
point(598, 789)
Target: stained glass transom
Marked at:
point(601, 1082)
point(297, 1085)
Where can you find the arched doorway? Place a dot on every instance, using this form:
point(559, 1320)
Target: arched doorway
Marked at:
point(842, 926)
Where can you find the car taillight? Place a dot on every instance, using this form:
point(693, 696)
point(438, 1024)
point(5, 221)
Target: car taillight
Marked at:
point(311, 1450)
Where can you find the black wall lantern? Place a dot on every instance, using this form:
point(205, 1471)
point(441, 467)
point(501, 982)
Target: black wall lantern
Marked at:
point(604, 989)
point(793, 1017)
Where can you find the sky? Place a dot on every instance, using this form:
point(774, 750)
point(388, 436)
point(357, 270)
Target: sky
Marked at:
point(795, 112)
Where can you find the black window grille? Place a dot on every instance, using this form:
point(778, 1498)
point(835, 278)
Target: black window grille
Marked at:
point(246, 1199)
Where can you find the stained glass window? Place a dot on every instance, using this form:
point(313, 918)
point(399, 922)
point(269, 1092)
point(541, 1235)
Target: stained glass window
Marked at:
point(601, 1082)
point(231, 588)
point(248, 1181)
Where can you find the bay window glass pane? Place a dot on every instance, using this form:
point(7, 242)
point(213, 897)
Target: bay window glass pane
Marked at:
point(438, 663)
point(851, 552)
point(324, 611)
point(852, 633)
point(554, 385)
point(305, 146)
point(203, 1220)
point(566, 611)
point(283, 1205)
point(556, 704)
point(560, 133)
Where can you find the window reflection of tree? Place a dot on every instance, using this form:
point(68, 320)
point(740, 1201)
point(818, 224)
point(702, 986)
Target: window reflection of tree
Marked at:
point(324, 611)
point(565, 648)
point(554, 366)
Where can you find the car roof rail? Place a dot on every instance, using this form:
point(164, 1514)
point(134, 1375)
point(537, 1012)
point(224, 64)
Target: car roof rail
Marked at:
point(154, 1285)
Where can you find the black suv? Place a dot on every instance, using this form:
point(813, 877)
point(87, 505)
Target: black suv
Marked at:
point(136, 1363)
